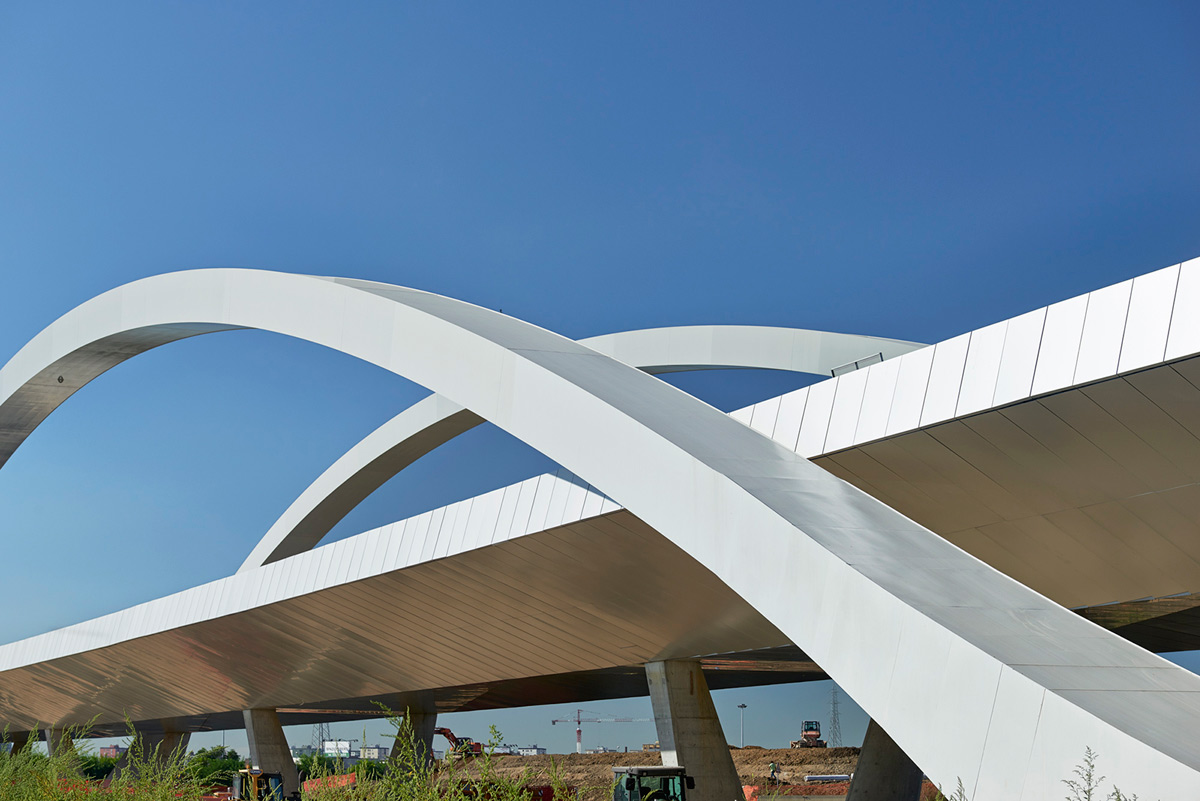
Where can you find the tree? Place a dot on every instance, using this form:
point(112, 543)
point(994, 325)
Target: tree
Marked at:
point(215, 766)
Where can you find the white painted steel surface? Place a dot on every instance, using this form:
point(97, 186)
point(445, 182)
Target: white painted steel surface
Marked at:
point(434, 420)
point(957, 634)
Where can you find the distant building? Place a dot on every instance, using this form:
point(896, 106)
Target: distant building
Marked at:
point(650, 746)
point(531, 750)
point(112, 751)
point(600, 749)
point(302, 751)
point(376, 753)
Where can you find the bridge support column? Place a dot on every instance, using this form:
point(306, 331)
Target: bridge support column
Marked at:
point(423, 721)
point(156, 748)
point(19, 741)
point(58, 741)
point(884, 772)
point(268, 747)
point(689, 732)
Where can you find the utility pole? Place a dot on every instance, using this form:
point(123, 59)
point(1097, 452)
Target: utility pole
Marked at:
point(835, 719)
point(742, 725)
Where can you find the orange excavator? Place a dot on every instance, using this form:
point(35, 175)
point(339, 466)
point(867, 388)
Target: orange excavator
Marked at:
point(460, 747)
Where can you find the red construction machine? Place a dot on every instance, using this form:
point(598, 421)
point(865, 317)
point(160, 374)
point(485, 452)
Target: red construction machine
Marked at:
point(460, 747)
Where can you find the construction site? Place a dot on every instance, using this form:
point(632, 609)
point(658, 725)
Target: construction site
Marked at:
point(593, 773)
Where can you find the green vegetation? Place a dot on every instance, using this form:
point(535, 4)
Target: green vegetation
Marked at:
point(75, 774)
point(215, 766)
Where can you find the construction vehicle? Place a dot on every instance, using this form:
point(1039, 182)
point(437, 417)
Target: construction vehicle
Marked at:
point(810, 736)
point(460, 747)
point(651, 783)
point(253, 784)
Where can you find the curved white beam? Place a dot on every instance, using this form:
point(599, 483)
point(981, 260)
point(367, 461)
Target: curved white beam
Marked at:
point(977, 677)
point(716, 347)
point(433, 421)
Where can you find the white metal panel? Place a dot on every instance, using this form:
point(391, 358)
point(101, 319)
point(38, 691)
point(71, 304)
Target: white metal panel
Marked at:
point(592, 504)
point(391, 556)
point(485, 513)
point(576, 495)
point(909, 396)
point(877, 400)
point(791, 415)
point(541, 502)
point(945, 379)
point(743, 415)
point(410, 551)
point(983, 366)
point(764, 416)
point(454, 543)
point(558, 499)
point(1060, 345)
point(847, 402)
point(520, 524)
point(1022, 340)
point(425, 536)
point(999, 776)
point(508, 508)
point(1149, 319)
point(816, 418)
point(346, 549)
point(357, 556)
point(1103, 330)
point(1184, 339)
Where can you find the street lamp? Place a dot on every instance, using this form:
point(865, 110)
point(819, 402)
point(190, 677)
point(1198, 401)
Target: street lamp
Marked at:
point(742, 725)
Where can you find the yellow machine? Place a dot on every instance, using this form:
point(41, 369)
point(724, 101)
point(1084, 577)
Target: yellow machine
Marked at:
point(252, 784)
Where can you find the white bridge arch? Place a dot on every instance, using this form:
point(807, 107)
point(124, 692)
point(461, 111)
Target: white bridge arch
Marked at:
point(970, 672)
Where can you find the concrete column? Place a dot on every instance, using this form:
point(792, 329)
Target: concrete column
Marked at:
point(19, 741)
point(423, 722)
point(58, 741)
point(155, 747)
point(884, 772)
point(268, 747)
point(689, 733)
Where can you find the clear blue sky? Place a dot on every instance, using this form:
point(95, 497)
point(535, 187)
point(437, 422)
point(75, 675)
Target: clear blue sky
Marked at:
point(911, 172)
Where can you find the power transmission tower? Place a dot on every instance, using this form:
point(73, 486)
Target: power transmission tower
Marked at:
point(835, 719)
point(320, 736)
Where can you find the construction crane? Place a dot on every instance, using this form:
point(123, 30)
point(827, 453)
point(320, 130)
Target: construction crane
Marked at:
point(579, 720)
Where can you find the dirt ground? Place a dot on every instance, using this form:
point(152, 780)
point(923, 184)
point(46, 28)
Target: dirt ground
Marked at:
point(593, 772)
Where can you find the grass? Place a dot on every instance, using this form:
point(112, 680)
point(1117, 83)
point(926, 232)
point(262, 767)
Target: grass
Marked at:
point(71, 774)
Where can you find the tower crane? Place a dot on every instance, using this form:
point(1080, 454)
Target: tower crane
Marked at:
point(579, 720)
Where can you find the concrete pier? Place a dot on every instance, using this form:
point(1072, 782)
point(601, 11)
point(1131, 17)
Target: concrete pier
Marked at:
point(884, 772)
point(689, 732)
point(154, 748)
point(58, 741)
point(268, 747)
point(19, 741)
point(423, 722)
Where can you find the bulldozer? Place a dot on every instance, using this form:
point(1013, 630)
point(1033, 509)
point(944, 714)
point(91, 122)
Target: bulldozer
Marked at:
point(810, 736)
point(651, 783)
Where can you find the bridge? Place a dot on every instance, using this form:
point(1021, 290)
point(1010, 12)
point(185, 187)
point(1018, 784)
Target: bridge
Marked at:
point(996, 532)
